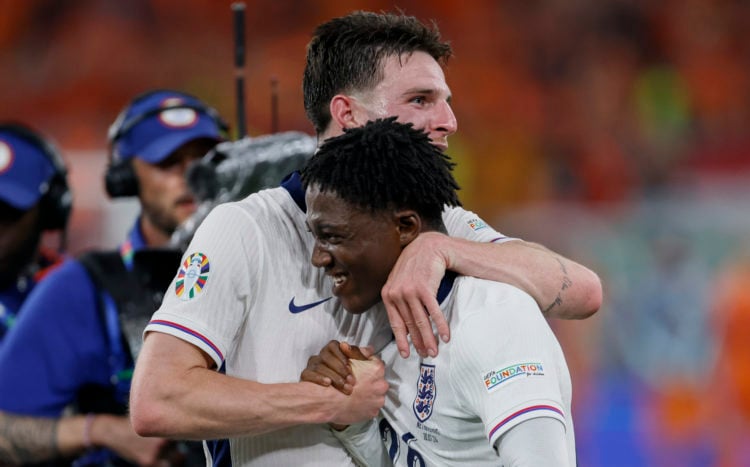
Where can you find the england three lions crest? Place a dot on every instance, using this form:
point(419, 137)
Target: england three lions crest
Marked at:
point(426, 392)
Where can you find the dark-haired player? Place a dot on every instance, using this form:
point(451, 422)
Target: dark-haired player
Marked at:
point(499, 392)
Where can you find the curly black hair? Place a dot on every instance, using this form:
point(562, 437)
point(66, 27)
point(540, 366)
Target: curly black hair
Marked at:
point(386, 165)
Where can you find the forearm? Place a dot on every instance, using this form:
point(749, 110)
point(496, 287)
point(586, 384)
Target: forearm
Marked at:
point(27, 440)
point(172, 396)
point(562, 288)
point(221, 406)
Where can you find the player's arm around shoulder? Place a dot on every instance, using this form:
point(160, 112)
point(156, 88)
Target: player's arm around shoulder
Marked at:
point(561, 287)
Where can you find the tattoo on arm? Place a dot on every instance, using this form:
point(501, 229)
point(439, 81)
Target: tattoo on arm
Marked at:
point(27, 439)
point(566, 284)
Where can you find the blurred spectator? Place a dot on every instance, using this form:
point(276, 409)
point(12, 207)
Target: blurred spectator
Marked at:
point(74, 347)
point(34, 198)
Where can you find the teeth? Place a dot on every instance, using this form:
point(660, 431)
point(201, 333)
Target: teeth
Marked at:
point(338, 280)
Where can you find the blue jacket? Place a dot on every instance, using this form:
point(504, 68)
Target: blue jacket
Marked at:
point(59, 345)
point(13, 296)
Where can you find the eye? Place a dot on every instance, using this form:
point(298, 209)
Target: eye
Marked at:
point(331, 238)
point(419, 100)
point(171, 165)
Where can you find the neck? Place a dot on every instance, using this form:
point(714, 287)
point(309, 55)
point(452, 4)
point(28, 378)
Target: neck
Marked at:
point(330, 132)
point(153, 235)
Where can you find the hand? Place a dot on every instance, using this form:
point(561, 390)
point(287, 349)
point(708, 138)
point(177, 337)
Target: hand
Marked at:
point(409, 295)
point(353, 371)
point(368, 395)
point(115, 433)
point(332, 366)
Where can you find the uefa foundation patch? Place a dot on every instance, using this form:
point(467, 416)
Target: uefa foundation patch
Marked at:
point(476, 224)
point(193, 276)
point(493, 379)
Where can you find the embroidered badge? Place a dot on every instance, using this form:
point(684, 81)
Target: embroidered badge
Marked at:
point(193, 275)
point(476, 224)
point(495, 378)
point(426, 392)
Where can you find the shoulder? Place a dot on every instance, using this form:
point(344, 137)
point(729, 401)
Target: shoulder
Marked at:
point(68, 287)
point(474, 295)
point(466, 224)
point(69, 282)
point(270, 205)
point(491, 315)
point(71, 273)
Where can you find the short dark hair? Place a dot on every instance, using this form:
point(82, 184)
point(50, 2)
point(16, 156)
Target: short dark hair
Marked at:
point(347, 53)
point(386, 165)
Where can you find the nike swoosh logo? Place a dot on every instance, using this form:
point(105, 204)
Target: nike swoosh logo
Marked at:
point(300, 308)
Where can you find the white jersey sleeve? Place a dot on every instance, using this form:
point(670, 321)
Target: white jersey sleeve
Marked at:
point(520, 445)
point(466, 224)
point(508, 365)
point(363, 442)
point(206, 302)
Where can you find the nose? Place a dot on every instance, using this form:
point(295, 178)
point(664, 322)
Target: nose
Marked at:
point(445, 121)
point(320, 258)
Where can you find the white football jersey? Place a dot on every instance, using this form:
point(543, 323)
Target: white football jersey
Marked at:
point(502, 366)
point(247, 295)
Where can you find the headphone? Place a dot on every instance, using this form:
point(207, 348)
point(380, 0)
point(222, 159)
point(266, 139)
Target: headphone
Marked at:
point(120, 179)
point(57, 200)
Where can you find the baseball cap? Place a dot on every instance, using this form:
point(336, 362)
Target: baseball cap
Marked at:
point(159, 122)
point(25, 170)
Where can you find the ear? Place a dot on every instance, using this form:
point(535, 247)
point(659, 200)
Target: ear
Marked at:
point(409, 225)
point(345, 112)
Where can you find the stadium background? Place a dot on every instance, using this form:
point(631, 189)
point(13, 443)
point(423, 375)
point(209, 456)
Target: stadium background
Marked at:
point(615, 132)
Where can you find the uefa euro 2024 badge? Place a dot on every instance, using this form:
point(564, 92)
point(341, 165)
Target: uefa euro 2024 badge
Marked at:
point(193, 276)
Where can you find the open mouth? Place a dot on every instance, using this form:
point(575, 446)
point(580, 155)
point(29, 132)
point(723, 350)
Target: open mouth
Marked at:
point(440, 144)
point(339, 280)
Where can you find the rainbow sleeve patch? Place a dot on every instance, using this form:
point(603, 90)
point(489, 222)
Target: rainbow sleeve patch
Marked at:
point(493, 379)
point(193, 276)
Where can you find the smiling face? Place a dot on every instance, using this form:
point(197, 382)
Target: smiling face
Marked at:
point(357, 248)
point(414, 90)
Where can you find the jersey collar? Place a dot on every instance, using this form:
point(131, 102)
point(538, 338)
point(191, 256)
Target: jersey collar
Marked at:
point(446, 284)
point(293, 184)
